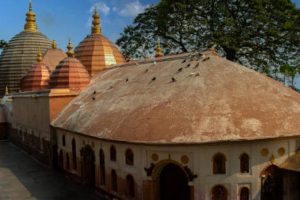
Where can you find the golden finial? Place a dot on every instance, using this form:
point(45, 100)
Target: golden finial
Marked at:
point(39, 56)
point(53, 44)
point(30, 20)
point(158, 49)
point(96, 29)
point(70, 51)
point(6, 91)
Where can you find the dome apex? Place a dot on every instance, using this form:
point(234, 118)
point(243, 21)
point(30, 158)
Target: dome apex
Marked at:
point(30, 20)
point(96, 29)
point(70, 51)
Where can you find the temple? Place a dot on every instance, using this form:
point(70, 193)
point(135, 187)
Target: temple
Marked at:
point(191, 126)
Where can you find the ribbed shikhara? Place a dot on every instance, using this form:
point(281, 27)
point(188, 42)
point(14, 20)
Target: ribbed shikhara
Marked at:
point(36, 79)
point(69, 74)
point(97, 53)
point(19, 56)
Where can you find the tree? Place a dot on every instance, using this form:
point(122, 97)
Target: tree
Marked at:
point(263, 34)
point(3, 44)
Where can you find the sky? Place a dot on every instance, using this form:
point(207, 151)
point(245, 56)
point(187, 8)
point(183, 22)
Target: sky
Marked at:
point(63, 19)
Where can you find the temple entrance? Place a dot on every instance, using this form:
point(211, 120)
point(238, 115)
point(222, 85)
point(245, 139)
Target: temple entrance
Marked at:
point(173, 183)
point(272, 183)
point(88, 165)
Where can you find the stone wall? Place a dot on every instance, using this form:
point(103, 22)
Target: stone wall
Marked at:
point(195, 160)
point(37, 147)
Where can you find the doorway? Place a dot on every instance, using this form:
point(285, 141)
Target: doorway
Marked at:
point(173, 183)
point(88, 165)
point(272, 183)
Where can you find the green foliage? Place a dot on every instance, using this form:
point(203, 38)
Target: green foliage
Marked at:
point(3, 44)
point(263, 34)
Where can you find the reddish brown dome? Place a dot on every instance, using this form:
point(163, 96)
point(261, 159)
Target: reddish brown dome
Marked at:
point(96, 52)
point(53, 56)
point(37, 77)
point(69, 74)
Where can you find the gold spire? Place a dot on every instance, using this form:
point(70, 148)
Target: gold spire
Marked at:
point(53, 44)
point(96, 29)
point(30, 20)
point(39, 56)
point(6, 91)
point(70, 51)
point(158, 49)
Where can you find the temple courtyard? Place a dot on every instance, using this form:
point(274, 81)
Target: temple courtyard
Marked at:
point(22, 178)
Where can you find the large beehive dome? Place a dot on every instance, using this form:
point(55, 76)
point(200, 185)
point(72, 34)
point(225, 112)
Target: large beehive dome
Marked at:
point(96, 52)
point(20, 54)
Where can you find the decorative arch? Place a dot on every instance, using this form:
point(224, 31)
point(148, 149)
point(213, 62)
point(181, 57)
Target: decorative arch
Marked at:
point(170, 172)
point(130, 185)
point(219, 163)
point(244, 193)
point(114, 180)
point(272, 183)
point(113, 153)
point(74, 156)
point(244, 163)
point(102, 166)
point(219, 192)
point(129, 157)
point(61, 159)
point(63, 140)
point(161, 164)
point(68, 161)
point(88, 164)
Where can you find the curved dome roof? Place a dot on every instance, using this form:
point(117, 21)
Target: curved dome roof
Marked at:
point(183, 99)
point(96, 52)
point(53, 56)
point(69, 73)
point(20, 54)
point(37, 77)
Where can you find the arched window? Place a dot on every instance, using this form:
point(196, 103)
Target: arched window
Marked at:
point(68, 162)
point(244, 193)
point(130, 186)
point(219, 192)
point(114, 181)
point(113, 153)
point(74, 156)
point(129, 157)
point(219, 164)
point(61, 159)
point(244, 163)
point(102, 167)
point(64, 140)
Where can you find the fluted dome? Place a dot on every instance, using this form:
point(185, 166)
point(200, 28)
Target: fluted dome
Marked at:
point(20, 54)
point(37, 77)
point(69, 74)
point(53, 56)
point(96, 52)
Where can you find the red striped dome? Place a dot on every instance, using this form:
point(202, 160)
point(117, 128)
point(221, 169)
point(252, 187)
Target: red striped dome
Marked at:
point(69, 74)
point(37, 77)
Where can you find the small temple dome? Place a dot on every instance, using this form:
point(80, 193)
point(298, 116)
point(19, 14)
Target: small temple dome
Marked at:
point(37, 77)
point(20, 54)
point(96, 52)
point(53, 56)
point(69, 73)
